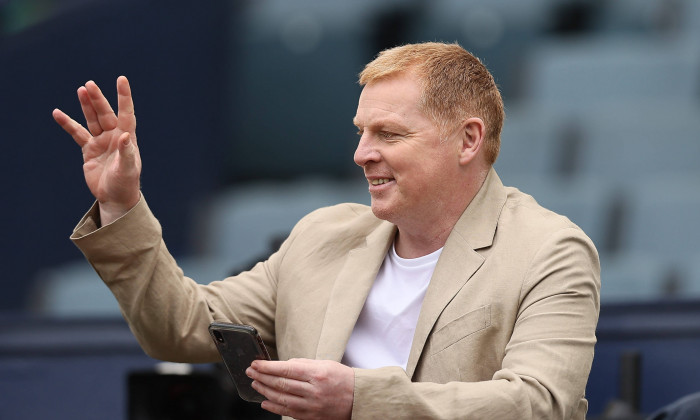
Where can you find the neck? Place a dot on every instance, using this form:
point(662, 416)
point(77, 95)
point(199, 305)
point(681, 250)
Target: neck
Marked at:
point(414, 246)
point(427, 233)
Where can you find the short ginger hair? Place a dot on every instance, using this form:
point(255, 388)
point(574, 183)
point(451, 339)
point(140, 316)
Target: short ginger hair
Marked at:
point(455, 86)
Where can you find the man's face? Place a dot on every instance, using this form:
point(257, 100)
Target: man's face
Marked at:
point(411, 173)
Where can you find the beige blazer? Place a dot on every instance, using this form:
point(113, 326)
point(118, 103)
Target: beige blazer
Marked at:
point(506, 330)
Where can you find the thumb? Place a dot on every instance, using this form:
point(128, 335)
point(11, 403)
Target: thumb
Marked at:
point(127, 152)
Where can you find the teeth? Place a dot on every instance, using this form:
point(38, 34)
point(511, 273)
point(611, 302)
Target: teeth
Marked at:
point(380, 181)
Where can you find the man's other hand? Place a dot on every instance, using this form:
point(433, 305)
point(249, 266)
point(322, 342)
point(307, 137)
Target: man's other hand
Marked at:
point(305, 389)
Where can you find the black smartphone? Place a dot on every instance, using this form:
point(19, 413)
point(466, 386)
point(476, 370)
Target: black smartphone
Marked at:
point(239, 346)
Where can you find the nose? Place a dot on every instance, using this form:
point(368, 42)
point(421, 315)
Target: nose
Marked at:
point(366, 151)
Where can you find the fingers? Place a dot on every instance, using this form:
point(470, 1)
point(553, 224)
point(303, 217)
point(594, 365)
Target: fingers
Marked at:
point(280, 403)
point(99, 115)
point(77, 131)
point(304, 388)
point(125, 103)
point(89, 112)
point(294, 369)
point(274, 387)
point(283, 395)
point(106, 118)
point(279, 384)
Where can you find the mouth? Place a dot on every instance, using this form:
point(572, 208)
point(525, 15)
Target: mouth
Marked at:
point(380, 181)
point(377, 184)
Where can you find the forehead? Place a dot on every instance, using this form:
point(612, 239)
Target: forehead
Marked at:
point(394, 99)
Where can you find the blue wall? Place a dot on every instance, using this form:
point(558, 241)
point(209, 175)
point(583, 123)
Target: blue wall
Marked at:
point(172, 54)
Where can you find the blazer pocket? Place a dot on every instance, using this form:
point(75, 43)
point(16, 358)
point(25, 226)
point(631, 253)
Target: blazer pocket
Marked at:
point(460, 328)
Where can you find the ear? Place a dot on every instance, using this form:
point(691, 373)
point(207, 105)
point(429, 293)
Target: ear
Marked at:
point(473, 130)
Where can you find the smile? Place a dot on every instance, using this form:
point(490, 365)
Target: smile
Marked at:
point(380, 181)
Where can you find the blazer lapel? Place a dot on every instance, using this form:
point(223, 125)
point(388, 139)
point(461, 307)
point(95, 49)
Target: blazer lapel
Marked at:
point(350, 291)
point(459, 260)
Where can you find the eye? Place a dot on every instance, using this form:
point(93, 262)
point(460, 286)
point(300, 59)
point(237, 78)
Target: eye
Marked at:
point(360, 132)
point(386, 134)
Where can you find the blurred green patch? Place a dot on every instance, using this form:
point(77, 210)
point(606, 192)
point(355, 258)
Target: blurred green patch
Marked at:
point(18, 15)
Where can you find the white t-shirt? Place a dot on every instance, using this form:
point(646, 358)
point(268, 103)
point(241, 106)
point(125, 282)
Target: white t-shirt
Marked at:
point(384, 330)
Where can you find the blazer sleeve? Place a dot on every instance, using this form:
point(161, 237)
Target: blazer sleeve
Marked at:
point(168, 312)
point(547, 358)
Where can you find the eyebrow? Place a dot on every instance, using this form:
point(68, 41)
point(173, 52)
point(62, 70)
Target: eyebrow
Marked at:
point(384, 123)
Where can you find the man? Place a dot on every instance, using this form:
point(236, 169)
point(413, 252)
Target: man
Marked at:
point(451, 297)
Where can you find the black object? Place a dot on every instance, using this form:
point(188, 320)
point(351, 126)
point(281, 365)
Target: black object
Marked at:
point(154, 396)
point(239, 346)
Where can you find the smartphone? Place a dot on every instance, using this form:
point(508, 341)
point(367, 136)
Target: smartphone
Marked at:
point(239, 346)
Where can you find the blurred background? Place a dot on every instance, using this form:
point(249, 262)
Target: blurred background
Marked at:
point(245, 115)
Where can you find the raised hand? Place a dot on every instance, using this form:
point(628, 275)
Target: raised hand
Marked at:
point(111, 160)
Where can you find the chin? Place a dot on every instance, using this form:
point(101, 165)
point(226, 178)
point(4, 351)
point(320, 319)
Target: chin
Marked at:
point(382, 212)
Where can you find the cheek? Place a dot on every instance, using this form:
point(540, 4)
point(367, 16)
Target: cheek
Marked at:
point(419, 182)
point(434, 174)
point(422, 167)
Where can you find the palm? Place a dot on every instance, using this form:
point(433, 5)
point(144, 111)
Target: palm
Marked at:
point(101, 166)
point(111, 162)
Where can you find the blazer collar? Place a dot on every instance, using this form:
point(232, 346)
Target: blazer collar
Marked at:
point(350, 291)
point(459, 260)
point(477, 225)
